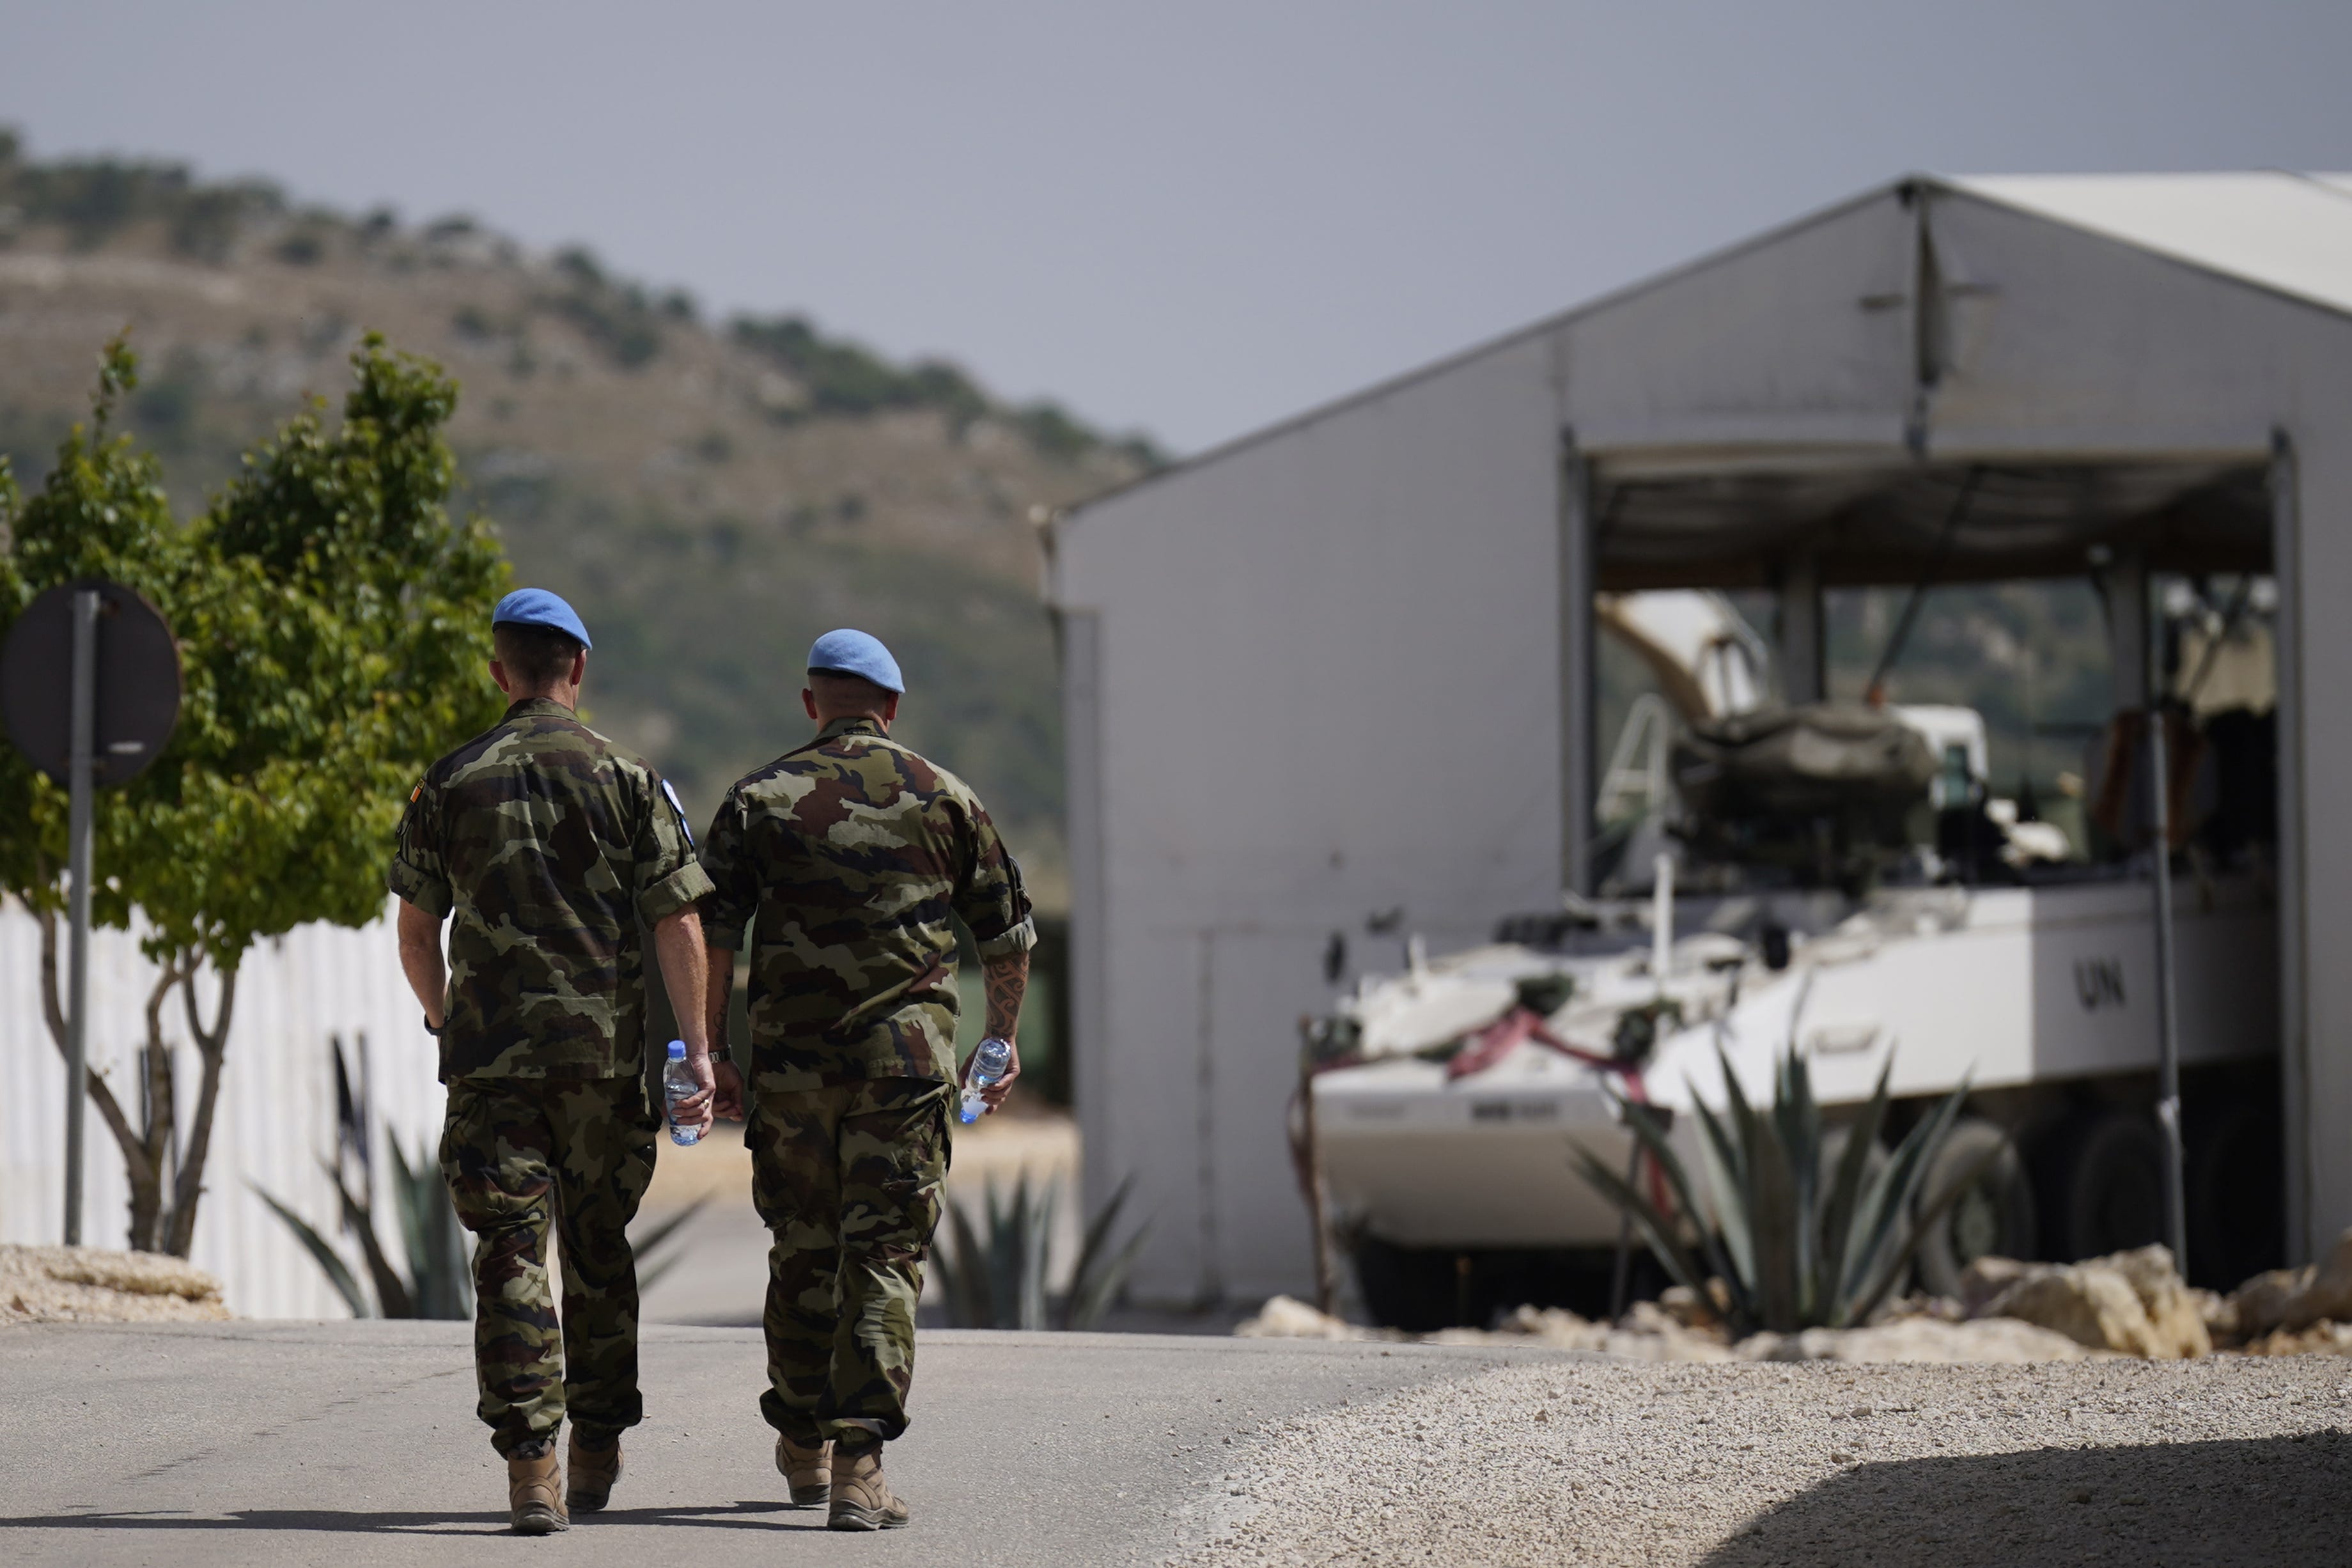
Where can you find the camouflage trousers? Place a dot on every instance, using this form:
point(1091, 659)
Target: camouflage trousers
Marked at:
point(848, 1179)
point(523, 1156)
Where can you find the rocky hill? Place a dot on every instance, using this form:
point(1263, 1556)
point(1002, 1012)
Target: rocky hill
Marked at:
point(711, 495)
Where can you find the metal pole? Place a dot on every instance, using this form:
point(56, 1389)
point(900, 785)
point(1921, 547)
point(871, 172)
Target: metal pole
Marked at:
point(1319, 1206)
point(84, 743)
point(1621, 1280)
point(2295, 1042)
point(1661, 921)
point(1579, 677)
point(2168, 1071)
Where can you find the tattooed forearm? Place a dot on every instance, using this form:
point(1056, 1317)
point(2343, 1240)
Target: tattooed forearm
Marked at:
point(1007, 978)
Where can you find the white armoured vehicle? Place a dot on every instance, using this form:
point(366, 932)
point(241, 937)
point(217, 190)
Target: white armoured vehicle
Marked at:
point(1992, 952)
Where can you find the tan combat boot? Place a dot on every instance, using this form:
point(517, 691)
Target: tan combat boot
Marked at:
point(530, 1496)
point(808, 1471)
point(861, 1496)
point(589, 1475)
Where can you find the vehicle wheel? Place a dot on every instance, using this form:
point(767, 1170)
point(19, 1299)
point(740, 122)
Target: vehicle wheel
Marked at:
point(1407, 1287)
point(1833, 1140)
point(2107, 1192)
point(1993, 1215)
point(2237, 1173)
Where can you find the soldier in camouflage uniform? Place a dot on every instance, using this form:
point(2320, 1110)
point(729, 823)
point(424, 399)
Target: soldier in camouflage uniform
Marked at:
point(845, 858)
point(546, 844)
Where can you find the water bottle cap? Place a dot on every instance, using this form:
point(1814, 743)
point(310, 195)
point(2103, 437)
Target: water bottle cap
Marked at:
point(677, 1050)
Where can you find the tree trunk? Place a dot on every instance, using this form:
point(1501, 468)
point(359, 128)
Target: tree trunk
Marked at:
point(212, 1044)
point(150, 1204)
point(163, 1217)
point(144, 1173)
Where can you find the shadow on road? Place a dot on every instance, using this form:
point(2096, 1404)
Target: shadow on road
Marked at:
point(2268, 1500)
point(749, 1515)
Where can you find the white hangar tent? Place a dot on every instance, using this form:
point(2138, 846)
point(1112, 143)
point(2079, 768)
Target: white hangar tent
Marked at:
point(1342, 666)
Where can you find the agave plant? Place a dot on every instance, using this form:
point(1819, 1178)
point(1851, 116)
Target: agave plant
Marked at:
point(656, 1256)
point(1803, 1233)
point(1101, 1273)
point(992, 1273)
point(439, 1281)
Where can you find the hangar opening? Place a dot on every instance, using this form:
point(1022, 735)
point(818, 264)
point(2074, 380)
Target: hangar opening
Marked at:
point(1844, 583)
point(1742, 615)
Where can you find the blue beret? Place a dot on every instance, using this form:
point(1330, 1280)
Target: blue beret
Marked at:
point(847, 653)
point(537, 607)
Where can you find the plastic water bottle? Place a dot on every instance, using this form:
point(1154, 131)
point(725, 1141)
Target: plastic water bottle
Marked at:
point(988, 1065)
point(678, 1083)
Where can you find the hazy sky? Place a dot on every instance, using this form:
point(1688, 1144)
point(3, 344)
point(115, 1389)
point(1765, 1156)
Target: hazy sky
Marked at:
point(1192, 217)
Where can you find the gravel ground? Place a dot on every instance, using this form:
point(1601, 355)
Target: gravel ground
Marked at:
point(2238, 1461)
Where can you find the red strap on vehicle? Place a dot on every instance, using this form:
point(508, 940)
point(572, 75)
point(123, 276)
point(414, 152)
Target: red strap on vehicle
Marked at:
point(1499, 1039)
point(1515, 1028)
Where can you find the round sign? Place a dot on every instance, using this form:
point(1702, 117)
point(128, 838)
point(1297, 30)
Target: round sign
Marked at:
point(138, 682)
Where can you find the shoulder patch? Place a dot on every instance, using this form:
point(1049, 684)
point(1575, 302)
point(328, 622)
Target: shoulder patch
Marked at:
point(415, 792)
point(678, 807)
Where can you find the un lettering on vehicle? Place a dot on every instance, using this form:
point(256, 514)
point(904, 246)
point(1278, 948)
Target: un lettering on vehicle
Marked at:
point(2099, 983)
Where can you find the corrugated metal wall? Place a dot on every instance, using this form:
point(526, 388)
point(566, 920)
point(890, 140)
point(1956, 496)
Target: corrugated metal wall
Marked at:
point(275, 1122)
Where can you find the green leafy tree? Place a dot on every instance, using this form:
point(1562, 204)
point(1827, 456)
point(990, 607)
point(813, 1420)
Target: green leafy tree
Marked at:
point(333, 620)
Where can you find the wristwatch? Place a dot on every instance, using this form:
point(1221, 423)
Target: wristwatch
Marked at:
point(435, 1033)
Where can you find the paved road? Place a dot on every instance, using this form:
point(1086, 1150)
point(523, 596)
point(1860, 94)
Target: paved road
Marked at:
point(355, 1444)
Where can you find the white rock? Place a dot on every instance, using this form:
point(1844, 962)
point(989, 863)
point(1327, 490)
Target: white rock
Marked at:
point(1678, 1346)
point(1283, 1317)
point(2001, 1341)
point(1986, 1278)
point(2295, 1298)
point(2176, 1320)
point(2328, 1294)
point(1650, 1332)
point(90, 1285)
point(1554, 1326)
point(2262, 1302)
point(1645, 1333)
point(2321, 1338)
point(2094, 1307)
point(2133, 1303)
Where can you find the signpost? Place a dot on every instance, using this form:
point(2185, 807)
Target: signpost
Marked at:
point(102, 725)
point(2168, 1016)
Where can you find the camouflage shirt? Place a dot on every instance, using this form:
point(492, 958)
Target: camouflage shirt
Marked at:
point(845, 858)
point(547, 843)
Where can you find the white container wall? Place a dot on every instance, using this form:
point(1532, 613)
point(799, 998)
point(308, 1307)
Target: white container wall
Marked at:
point(275, 1122)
